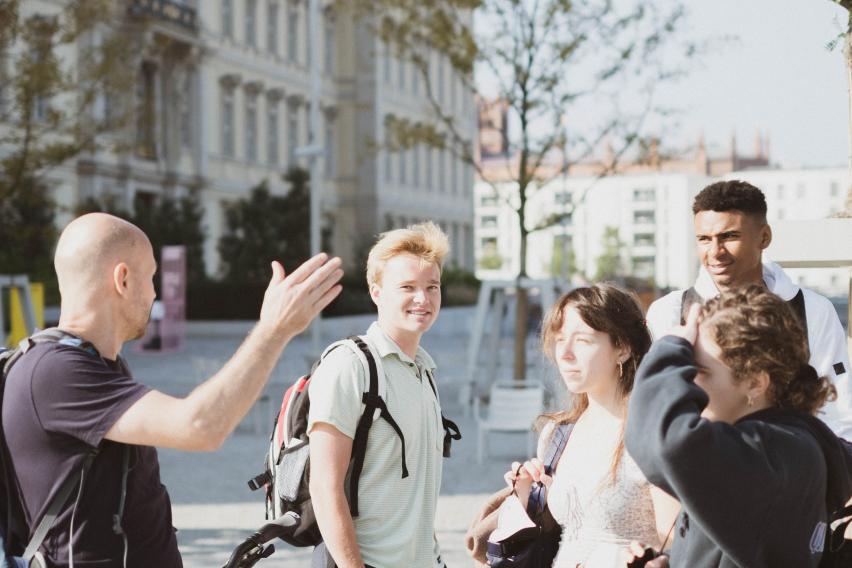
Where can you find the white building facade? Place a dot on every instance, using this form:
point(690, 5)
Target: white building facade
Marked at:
point(224, 90)
point(652, 213)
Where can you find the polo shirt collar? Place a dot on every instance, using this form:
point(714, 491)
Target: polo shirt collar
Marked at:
point(387, 346)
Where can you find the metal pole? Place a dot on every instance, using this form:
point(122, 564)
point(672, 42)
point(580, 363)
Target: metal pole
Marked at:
point(314, 28)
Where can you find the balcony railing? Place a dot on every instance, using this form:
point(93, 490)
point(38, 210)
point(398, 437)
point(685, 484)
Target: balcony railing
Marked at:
point(166, 10)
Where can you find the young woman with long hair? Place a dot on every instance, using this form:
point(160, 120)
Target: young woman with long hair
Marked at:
point(597, 337)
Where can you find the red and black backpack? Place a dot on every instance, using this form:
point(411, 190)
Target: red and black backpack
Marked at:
point(287, 463)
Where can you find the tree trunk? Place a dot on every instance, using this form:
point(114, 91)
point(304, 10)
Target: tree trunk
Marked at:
point(522, 304)
point(521, 317)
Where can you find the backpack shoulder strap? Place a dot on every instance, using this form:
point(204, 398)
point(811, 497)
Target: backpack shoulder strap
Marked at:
point(690, 296)
point(451, 429)
point(538, 492)
point(374, 405)
point(797, 302)
point(59, 500)
point(556, 446)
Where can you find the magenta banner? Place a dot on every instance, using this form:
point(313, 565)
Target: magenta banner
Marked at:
point(173, 297)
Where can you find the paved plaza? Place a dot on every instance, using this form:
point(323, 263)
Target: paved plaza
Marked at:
point(213, 508)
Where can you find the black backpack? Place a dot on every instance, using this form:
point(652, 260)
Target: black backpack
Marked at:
point(17, 548)
point(287, 463)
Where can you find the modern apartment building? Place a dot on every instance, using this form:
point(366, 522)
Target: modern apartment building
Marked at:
point(649, 204)
point(224, 91)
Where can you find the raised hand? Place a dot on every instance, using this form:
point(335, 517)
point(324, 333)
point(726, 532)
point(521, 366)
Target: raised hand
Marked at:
point(291, 302)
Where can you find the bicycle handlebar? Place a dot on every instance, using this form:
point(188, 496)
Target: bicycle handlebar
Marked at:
point(252, 549)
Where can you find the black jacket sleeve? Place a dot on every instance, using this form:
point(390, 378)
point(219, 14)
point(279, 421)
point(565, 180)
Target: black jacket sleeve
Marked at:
point(733, 480)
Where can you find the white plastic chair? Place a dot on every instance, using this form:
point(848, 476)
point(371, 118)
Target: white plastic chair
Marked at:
point(513, 408)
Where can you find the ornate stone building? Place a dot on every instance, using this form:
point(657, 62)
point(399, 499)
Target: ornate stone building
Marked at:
point(223, 94)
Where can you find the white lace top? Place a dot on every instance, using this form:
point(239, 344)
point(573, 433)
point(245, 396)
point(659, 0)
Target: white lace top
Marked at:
point(599, 518)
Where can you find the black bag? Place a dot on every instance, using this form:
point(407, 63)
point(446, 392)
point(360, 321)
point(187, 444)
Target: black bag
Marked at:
point(837, 552)
point(287, 464)
point(19, 547)
point(534, 547)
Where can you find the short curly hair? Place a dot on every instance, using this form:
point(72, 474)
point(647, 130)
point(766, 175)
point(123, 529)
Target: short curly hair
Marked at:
point(757, 331)
point(732, 195)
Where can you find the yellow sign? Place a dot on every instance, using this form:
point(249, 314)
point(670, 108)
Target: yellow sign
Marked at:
point(16, 312)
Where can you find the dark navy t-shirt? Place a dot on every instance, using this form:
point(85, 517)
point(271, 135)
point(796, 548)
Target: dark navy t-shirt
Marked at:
point(59, 403)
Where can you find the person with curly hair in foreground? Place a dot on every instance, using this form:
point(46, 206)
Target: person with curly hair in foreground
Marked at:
point(722, 418)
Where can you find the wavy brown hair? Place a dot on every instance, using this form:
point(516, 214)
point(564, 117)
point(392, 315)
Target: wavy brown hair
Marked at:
point(756, 332)
point(607, 308)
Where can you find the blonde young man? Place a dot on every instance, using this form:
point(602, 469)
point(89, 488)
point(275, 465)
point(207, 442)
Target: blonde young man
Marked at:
point(395, 524)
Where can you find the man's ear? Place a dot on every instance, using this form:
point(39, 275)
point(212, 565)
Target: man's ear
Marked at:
point(120, 276)
point(375, 292)
point(765, 236)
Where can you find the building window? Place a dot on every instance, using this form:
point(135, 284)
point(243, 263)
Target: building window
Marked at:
point(644, 239)
point(644, 194)
point(228, 122)
point(386, 64)
point(272, 132)
point(293, 33)
point(430, 160)
point(488, 222)
point(251, 127)
point(643, 266)
point(329, 147)
point(330, 44)
point(440, 79)
point(800, 190)
point(403, 167)
point(780, 191)
point(415, 166)
point(146, 118)
point(454, 173)
point(643, 217)
point(292, 132)
point(835, 189)
point(488, 200)
point(186, 122)
point(250, 20)
point(4, 77)
point(401, 73)
point(272, 28)
point(228, 18)
point(415, 79)
point(562, 197)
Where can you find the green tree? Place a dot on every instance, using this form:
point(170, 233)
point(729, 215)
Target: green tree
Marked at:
point(169, 221)
point(265, 227)
point(56, 71)
point(553, 62)
point(609, 263)
point(563, 261)
point(27, 232)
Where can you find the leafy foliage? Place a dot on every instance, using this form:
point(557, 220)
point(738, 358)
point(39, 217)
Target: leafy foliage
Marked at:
point(609, 264)
point(55, 106)
point(265, 227)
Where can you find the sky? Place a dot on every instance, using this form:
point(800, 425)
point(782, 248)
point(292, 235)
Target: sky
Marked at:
point(776, 75)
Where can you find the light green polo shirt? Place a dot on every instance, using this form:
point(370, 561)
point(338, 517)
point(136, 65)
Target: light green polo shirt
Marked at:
point(396, 525)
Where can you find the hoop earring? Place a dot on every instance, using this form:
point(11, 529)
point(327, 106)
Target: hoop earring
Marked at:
point(750, 401)
point(620, 369)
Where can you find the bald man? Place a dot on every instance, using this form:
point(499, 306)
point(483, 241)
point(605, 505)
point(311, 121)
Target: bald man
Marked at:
point(62, 402)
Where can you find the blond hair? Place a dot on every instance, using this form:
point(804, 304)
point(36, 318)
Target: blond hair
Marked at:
point(424, 240)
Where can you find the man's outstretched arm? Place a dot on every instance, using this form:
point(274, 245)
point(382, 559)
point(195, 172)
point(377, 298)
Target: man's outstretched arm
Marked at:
point(204, 419)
